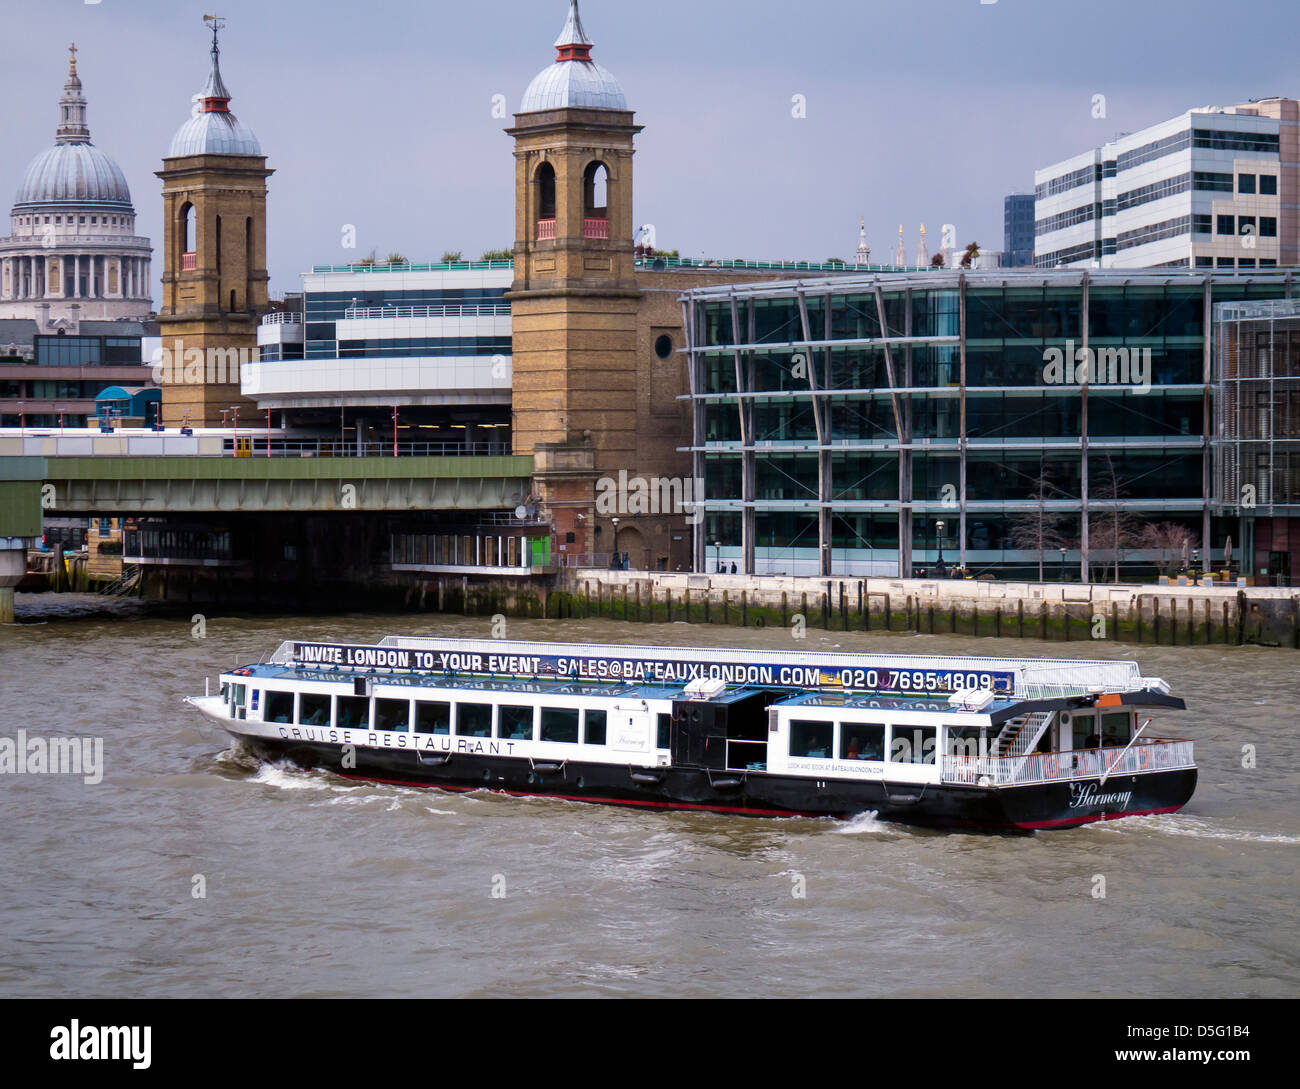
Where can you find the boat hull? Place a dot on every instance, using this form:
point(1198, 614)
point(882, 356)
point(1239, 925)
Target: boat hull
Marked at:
point(1014, 809)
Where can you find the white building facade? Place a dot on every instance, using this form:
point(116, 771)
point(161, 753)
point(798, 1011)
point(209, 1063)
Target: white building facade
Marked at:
point(1213, 188)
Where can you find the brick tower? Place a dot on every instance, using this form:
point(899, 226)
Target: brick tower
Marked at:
point(574, 300)
point(214, 285)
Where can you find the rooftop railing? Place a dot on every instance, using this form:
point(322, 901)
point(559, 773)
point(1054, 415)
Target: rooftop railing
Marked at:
point(475, 310)
point(258, 447)
point(438, 266)
point(281, 317)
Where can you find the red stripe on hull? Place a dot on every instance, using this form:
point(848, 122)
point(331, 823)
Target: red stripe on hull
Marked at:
point(592, 798)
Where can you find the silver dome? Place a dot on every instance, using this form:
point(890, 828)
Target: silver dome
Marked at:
point(73, 173)
point(214, 134)
point(583, 84)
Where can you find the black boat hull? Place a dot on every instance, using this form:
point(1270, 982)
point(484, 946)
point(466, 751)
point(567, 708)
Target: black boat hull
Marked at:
point(1017, 809)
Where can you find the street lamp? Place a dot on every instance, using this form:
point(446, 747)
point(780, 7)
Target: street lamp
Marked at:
point(617, 560)
point(938, 533)
point(1062, 551)
point(718, 546)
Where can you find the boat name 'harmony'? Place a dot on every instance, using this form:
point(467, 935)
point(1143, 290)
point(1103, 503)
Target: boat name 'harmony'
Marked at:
point(1086, 794)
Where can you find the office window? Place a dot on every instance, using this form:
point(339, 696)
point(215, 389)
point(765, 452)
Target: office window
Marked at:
point(1245, 224)
point(1268, 262)
point(1246, 262)
point(1245, 183)
point(1202, 224)
point(1205, 262)
point(1268, 185)
point(1268, 226)
point(1227, 225)
point(1225, 262)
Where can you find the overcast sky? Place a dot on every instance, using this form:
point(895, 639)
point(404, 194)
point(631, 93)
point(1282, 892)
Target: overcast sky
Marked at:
point(379, 113)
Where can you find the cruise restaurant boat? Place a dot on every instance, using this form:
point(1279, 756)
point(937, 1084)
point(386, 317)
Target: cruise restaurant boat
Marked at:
point(993, 743)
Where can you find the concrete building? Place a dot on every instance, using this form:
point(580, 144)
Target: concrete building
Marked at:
point(72, 254)
point(1217, 187)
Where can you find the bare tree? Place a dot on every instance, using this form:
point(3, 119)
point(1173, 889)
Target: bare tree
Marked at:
point(1170, 540)
point(1041, 529)
point(1111, 528)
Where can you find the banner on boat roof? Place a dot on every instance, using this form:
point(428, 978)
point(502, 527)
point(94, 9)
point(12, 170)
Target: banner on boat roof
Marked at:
point(865, 676)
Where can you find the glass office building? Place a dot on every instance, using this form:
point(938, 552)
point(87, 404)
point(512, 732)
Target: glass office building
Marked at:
point(885, 424)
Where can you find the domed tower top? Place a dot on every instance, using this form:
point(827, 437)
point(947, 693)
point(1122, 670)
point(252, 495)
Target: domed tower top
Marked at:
point(73, 171)
point(213, 129)
point(574, 80)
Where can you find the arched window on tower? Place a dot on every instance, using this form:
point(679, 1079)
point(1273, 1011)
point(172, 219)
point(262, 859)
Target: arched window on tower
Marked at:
point(545, 182)
point(185, 234)
point(595, 201)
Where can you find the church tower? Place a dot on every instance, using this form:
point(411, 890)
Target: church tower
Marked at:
point(574, 300)
point(214, 286)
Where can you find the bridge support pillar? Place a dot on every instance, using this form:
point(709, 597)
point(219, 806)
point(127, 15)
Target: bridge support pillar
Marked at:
point(13, 566)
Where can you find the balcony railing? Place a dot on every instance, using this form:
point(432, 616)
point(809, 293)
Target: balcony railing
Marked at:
point(281, 317)
point(1156, 754)
point(545, 230)
point(476, 310)
point(595, 228)
point(255, 446)
point(189, 261)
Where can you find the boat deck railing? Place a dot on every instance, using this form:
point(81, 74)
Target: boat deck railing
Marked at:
point(1146, 754)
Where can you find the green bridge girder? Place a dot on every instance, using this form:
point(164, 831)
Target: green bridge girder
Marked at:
point(142, 485)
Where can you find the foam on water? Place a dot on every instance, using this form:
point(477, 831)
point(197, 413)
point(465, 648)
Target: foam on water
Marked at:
point(865, 823)
point(1173, 824)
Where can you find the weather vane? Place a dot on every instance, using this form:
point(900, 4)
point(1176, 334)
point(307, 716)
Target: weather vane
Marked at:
point(215, 22)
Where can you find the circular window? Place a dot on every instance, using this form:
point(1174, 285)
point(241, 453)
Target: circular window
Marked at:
point(664, 346)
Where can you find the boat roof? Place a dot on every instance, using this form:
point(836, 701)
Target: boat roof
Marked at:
point(786, 670)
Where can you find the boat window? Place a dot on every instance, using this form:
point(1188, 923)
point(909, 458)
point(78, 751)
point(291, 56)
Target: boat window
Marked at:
point(225, 693)
point(663, 740)
point(353, 713)
point(392, 714)
point(560, 724)
point(239, 694)
point(811, 738)
point(279, 707)
point(1116, 729)
point(313, 710)
point(913, 744)
point(862, 741)
point(1084, 731)
point(515, 723)
point(432, 717)
point(967, 741)
point(474, 719)
point(595, 727)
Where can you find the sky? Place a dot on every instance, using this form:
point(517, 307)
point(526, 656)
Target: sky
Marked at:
point(379, 114)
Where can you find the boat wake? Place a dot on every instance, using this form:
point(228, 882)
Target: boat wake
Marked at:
point(866, 824)
point(1174, 824)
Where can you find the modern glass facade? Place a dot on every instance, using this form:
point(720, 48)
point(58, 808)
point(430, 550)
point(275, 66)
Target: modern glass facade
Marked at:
point(867, 424)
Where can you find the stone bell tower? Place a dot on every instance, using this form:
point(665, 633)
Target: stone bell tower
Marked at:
point(214, 285)
point(574, 300)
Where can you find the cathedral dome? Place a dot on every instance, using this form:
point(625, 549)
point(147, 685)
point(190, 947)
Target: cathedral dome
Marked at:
point(73, 171)
point(73, 174)
point(214, 130)
point(574, 80)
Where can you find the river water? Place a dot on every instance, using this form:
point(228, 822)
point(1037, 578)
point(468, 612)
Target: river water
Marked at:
point(316, 886)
